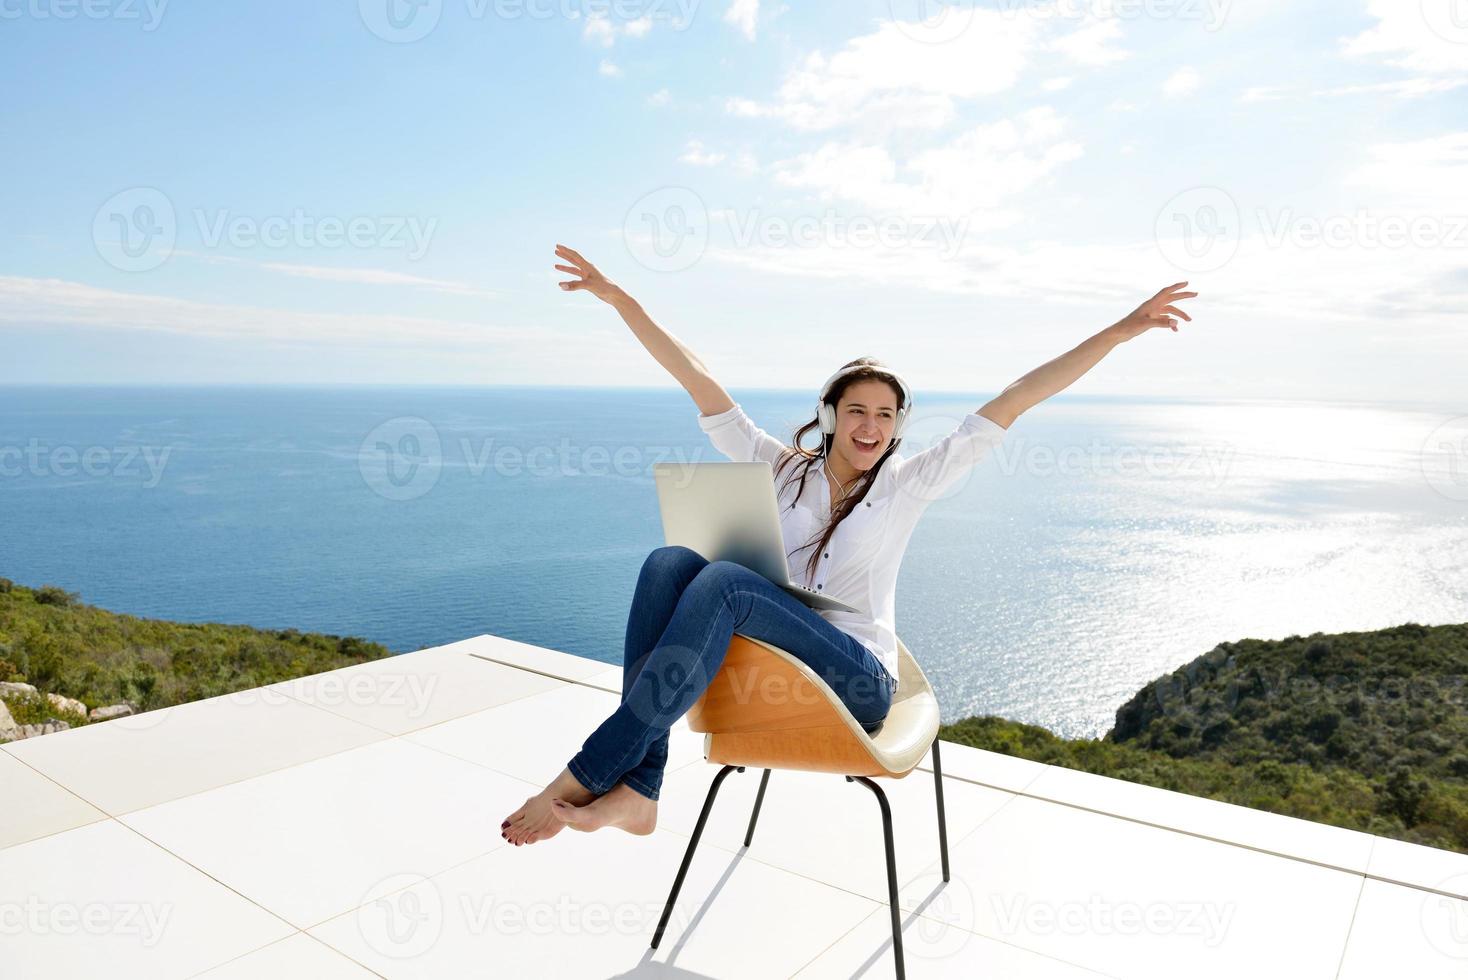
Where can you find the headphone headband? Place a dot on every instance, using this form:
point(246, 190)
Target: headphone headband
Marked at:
point(827, 415)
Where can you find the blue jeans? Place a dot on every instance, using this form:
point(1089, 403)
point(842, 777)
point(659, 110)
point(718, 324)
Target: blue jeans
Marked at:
point(684, 613)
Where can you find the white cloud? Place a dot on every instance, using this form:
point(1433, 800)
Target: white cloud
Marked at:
point(1426, 37)
point(1091, 44)
point(56, 302)
point(609, 70)
point(744, 16)
point(1056, 84)
point(888, 79)
point(1402, 88)
point(695, 154)
point(660, 98)
point(1428, 176)
point(599, 29)
point(982, 170)
point(1181, 83)
point(361, 277)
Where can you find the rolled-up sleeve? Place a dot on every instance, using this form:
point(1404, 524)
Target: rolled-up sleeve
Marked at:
point(736, 436)
point(928, 475)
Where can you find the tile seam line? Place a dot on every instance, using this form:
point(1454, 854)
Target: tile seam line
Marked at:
point(1351, 926)
point(298, 932)
point(65, 789)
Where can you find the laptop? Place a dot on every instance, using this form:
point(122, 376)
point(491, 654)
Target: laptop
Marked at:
point(727, 512)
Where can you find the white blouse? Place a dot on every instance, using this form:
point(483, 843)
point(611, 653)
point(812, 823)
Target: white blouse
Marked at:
point(860, 564)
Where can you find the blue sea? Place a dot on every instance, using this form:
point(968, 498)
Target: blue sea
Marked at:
point(1106, 542)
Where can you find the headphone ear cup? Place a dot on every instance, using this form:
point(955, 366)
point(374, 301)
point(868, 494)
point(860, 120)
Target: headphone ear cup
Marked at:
point(826, 417)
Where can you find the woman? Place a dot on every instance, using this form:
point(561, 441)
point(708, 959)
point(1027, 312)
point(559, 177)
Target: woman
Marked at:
point(850, 498)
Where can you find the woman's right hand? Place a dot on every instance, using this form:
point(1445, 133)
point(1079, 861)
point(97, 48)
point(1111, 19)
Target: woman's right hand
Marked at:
point(588, 277)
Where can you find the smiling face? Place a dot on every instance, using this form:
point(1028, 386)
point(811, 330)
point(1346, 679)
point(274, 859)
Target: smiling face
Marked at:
point(865, 417)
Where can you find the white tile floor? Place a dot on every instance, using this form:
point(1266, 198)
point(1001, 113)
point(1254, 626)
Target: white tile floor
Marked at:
point(346, 825)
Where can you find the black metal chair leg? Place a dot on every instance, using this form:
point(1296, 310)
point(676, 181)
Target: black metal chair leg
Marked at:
point(758, 799)
point(891, 872)
point(703, 817)
point(942, 820)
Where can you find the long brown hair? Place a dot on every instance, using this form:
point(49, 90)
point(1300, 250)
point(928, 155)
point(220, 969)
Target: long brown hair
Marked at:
point(803, 459)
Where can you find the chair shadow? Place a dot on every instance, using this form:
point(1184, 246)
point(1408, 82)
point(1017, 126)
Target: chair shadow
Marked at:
point(648, 967)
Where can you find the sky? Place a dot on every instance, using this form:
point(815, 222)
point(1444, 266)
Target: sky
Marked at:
point(370, 191)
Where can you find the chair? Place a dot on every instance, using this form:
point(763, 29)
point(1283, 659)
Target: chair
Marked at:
point(767, 708)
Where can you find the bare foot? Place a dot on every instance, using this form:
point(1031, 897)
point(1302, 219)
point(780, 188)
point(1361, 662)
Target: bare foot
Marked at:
point(535, 821)
point(623, 807)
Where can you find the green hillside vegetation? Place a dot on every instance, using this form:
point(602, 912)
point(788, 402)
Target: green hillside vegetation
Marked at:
point(1367, 731)
point(52, 641)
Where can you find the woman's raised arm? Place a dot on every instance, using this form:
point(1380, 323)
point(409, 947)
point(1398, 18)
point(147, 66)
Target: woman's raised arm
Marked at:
point(682, 363)
point(1057, 374)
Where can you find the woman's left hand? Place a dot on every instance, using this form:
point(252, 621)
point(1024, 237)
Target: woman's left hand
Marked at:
point(1159, 311)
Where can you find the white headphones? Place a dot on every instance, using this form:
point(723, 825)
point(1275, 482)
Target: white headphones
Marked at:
point(826, 413)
